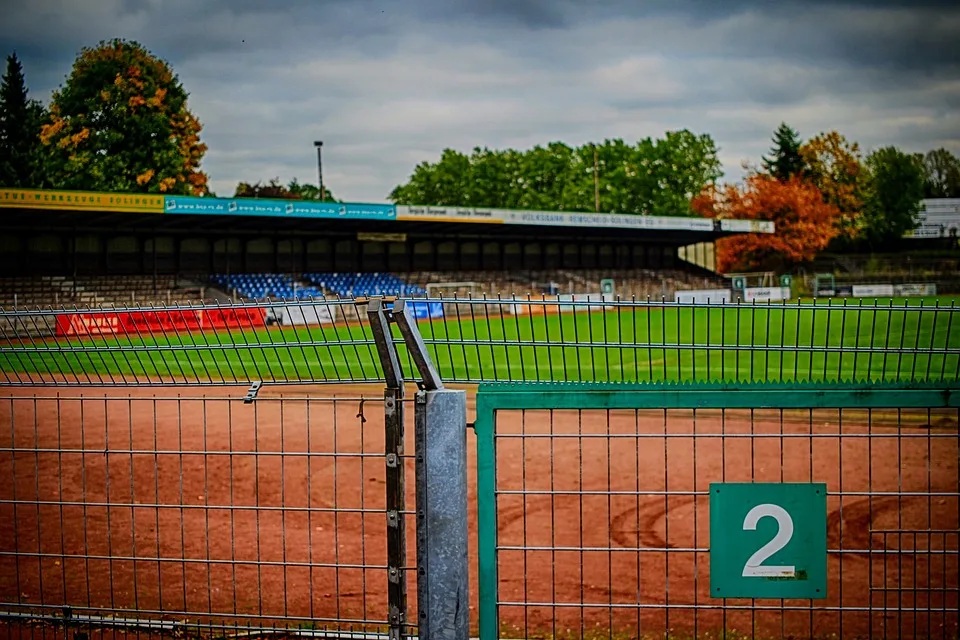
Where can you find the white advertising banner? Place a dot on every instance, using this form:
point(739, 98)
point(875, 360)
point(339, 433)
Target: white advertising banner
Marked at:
point(766, 293)
point(747, 226)
point(537, 305)
point(872, 290)
point(702, 296)
point(573, 219)
point(915, 289)
point(303, 314)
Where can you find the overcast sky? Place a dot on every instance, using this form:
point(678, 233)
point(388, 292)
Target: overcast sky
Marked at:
point(389, 83)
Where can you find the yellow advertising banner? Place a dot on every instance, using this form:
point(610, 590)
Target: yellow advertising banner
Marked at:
point(79, 201)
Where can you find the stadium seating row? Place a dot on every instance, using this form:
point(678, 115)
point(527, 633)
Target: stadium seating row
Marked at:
point(258, 286)
point(139, 290)
point(364, 284)
point(94, 291)
point(314, 285)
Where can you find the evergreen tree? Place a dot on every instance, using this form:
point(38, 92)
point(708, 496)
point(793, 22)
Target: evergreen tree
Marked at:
point(20, 121)
point(784, 161)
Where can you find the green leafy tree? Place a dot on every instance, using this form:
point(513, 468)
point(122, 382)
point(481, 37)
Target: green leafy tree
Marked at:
point(685, 164)
point(275, 189)
point(942, 174)
point(442, 183)
point(121, 123)
point(894, 196)
point(785, 161)
point(20, 121)
point(653, 177)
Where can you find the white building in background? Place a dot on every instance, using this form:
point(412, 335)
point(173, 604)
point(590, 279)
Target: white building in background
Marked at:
point(939, 218)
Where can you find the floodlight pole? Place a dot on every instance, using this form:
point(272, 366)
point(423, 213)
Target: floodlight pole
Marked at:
point(319, 145)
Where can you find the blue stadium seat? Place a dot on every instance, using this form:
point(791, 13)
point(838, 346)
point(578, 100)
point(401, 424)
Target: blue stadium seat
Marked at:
point(263, 285)
point(363, 284)
point(276, 285)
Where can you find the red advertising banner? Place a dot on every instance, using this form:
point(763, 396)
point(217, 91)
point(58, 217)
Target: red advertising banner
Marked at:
point(146, 322)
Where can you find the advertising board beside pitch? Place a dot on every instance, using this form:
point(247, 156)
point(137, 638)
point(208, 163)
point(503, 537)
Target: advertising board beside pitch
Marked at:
point(766, 293)
point(702, 296)
point(159, 321)
point(870, 290)
point(425, 310)
point(301, 314)
point(554, 303)
point(915, 289)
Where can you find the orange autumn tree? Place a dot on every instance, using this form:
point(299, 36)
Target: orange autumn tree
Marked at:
point(120, 123)
point(834, 166)
point(805, 224)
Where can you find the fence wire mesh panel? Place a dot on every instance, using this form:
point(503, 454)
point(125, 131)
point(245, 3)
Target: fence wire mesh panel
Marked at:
point(169, 513)
point(294, 342)
point(473, 340)
point(636, 341)
point(594, 507)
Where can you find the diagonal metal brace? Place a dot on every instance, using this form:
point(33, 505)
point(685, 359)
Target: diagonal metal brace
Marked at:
point(418, 349)
point(386, 349)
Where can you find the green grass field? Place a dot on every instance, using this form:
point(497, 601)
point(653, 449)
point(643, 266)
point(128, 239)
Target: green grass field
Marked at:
point(884, 339)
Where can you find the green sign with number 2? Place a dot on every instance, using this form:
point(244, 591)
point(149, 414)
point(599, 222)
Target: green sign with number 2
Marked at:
point(768, 540)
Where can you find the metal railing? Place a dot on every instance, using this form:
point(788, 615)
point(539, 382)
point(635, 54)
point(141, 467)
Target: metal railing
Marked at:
point(148, 493)
point(164, 502)
point(195, 514)
point(482, 340)
point(596, 519)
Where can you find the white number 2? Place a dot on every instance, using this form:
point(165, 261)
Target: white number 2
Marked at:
point(754, 567)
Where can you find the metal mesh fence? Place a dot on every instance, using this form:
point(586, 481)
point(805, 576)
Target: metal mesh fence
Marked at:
point(163, 502)
point(602, 519)
point(637, 341)
point(485, 340)
point(212, 345)
point(194, 515)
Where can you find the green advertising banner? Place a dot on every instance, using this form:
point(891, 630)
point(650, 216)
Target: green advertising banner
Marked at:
point(768, 540)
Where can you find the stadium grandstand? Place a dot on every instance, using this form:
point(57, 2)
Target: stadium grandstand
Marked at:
point(116, 250)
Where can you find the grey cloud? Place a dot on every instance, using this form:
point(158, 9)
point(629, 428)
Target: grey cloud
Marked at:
point(533, 14)
point(389, 84)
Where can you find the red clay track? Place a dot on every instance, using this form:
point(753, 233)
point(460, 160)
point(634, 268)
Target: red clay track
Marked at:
point(155, 449)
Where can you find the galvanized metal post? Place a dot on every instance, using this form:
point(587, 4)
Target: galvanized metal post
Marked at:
point(440, 418)
point(440, 434)
point(394, 475)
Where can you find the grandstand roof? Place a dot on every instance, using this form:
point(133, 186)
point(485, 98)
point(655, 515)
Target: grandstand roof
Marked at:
point(135, 212)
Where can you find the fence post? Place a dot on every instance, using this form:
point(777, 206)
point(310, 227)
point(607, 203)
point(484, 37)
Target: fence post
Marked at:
point(440, 432)
point(394, 479)
point(442, 585)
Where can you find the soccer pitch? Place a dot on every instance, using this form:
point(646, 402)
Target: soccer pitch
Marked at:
point(869, 340)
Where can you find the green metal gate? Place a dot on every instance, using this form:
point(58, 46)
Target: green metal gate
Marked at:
point(594, 504)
